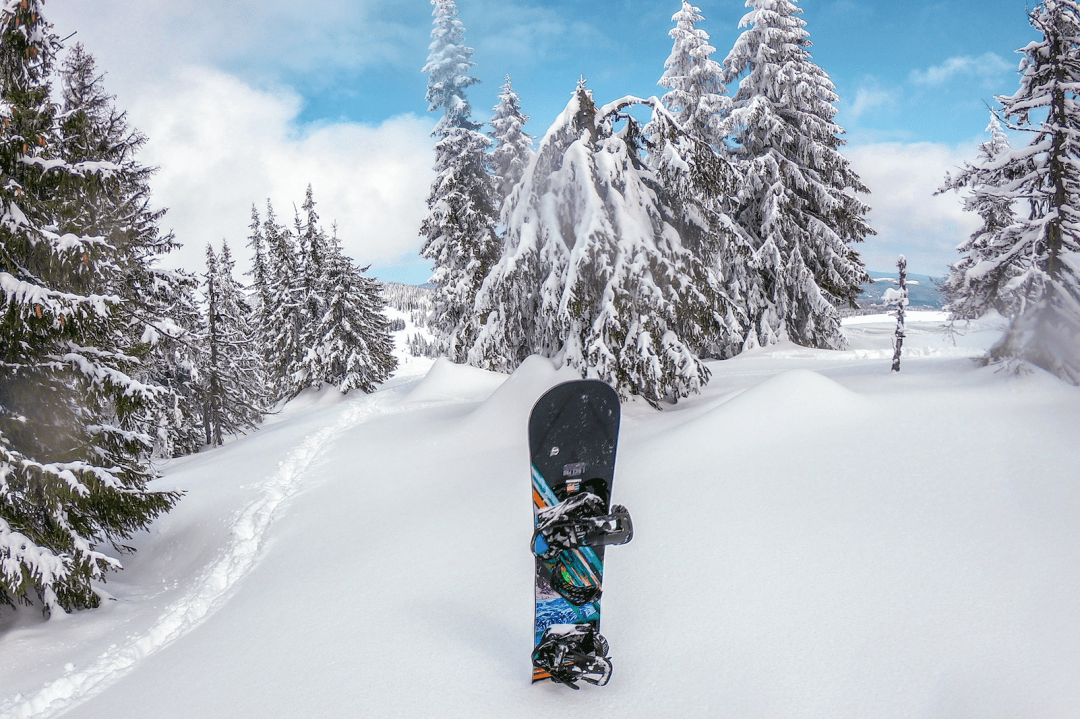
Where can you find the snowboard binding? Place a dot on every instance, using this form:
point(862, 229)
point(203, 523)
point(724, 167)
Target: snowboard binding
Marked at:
point(570, 653)
point(580, 521)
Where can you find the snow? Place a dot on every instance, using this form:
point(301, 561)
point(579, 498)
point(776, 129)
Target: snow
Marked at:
point(366, 555)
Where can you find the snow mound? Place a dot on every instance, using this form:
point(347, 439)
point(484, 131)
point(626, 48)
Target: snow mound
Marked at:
point(511, 403)
point(793, 397)
point(309, 400)
point(448, 381)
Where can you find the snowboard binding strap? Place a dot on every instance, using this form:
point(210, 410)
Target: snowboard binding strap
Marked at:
point(569, 653)
point(580, 521)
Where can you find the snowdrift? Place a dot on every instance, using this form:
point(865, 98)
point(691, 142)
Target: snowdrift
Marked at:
point(815, 537)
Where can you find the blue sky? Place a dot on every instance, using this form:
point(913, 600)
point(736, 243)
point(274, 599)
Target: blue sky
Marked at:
point(882, 52)
point(253, 99)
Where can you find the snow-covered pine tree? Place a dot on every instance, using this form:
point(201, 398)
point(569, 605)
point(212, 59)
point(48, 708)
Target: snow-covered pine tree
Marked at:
point(313, 253)
point(694, 161)
point(350, 345)
point(594, 274)
point(696, 93)
point(898, 297)
point(459, 230)
point(513, 147)
point(698, 184)
point(971, 294)
point(259, 273)
point(798, 199)
point(117, 209)
point(1032, 266)
point(231, 377)
point(281, 333)
point(175, 366)
point(71, 477)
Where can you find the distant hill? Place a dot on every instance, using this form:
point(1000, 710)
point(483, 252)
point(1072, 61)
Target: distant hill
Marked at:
point(923, 294)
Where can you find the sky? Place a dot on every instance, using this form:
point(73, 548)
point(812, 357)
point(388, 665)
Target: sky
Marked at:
point(251, 100)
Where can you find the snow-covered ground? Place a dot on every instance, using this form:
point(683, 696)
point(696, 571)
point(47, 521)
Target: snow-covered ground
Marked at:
point(815, 537)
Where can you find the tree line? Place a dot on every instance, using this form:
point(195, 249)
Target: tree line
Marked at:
point(108, 360)
point(634, 249)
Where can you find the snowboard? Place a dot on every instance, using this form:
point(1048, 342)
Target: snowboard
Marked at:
point(573, 433)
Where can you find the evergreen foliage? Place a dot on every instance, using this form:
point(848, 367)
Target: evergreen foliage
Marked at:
point(283, 315)
point(117, 209)
point(594, 272)
point(459, 230)
point(971, 294)
point(72, 474)
point(232, 388)
point(349, 345)
point(1030, 267)
point(696, 93)
point(319, 319)
point(513, 147)
point(797, 199)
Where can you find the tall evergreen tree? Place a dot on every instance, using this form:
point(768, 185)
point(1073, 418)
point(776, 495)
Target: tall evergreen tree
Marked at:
point(696, 93)
point(259, 273)
point(513, 147)
point(972, 292)
point(595, 274)
point(314, 254)
point(797, 201)
point(699, 185)
point(349, 343)
point(231, 377)
point(1031, 267)
point(459, 230)
point(71, 476)
point(117, 209)
point(175, 365)
point(285, 312)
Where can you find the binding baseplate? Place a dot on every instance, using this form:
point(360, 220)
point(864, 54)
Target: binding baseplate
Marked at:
point(579, 521)
point(569, 653)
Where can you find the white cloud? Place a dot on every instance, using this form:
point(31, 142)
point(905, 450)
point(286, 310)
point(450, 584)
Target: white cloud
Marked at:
point(909, 219)
point(141, 40)
point(222, 145)
point(985, 67)
point(870, 98)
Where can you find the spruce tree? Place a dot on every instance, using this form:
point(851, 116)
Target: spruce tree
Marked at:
point(695, 162)
point(513, 147)
point(696, 93)
point(117, 209)
point(459, 230)
point(284, 314)
point(72, 477)
point(595, 274)
point(231, 381)
point(1031, 264)
point(259, 273)
point(350, 345)
point(175, 365)
point(313, 255)
point(972, 292)
point(798, 199)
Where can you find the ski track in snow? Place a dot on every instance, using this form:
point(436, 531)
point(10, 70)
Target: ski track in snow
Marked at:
point(248, 531)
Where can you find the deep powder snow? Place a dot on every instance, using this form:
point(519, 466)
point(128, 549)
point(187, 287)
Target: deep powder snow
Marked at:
point(814, 537)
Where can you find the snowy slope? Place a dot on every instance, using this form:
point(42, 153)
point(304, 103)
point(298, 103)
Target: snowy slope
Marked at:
point(815, 537)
